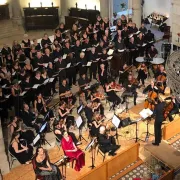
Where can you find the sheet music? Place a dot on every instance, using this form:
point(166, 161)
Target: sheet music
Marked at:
point(137, 32)
point(89, 64)
point(7, 96)
point(110, 52)
point(13, 73)
point(4, 85)
point(64, 56)
point(23, 93)
point(46, 81)
point(68, 65)
point(56, 60)
point(83, 50)
point(116, 121)
point(35, 86)
point(36, 139)
point(51, 79)
point(122, 50)
point(145, 113)
point(97, 59)
point(109, 58)
point(19, 82)
point(78, 63)
point(36, 69)
point(144, 45)
point(45, 64)
point(79, 121)
point(80, 109)
point(87, 87)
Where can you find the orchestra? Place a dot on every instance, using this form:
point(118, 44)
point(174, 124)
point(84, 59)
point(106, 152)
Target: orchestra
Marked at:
point(81, 59)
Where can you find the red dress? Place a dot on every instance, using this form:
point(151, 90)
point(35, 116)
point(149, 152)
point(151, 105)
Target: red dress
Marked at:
point(78, 155)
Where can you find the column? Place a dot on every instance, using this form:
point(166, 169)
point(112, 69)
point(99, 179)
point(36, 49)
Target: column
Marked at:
point(136, 16)
point(16, 12)
point(4, 162)
point(110, 9)
point(63, 10)
point(104, 8)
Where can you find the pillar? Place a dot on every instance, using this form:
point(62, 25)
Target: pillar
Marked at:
point(63, 10)
point(16, 12)
point(4, 162)
point(136, 16)
point(104, 8)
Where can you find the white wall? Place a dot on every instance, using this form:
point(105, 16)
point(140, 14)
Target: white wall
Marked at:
point(160, 6)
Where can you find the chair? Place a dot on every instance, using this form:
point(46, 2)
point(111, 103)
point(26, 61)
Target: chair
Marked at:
point(70, 159)
point(103, 154)
point(12, 159)
point(58, 142)
point(38, 177)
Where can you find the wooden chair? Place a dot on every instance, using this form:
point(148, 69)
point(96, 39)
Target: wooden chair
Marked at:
point(103, 154)
point(38, 177)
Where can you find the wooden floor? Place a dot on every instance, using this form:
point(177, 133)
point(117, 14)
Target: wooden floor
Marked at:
point(25, 172)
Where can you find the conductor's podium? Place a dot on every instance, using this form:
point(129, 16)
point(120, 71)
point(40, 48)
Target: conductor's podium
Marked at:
point(120, 165)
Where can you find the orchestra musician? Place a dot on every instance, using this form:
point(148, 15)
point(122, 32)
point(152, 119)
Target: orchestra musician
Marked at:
point(83, 81)
point(102, 75)
point(142, 73)
point(174, 107)
point(98, 107)
point(107, 143)
point(130, 88)
point(123, 73)
point(111, 93)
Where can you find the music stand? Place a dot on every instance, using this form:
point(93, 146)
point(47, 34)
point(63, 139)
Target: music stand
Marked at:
point(146, 114)
point(90, 145)
point(42, 134)
point(126, 95)
point(79, 123)
point(116, 122)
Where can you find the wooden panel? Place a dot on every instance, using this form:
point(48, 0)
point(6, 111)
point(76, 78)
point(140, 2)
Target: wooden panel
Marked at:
point(123, 160)
point(98, 173)
point(171, 129)
point(167, 176)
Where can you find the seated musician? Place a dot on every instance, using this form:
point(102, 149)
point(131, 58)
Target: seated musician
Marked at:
point(95, 124)
point(152, 53)
point(174, 109)
point(142, 73)
point(98, 107)
point(59, 128)
point(64, 112)
point(102, 75)
point(107, 143)
point(151, 87)
point(111, 93)
point(130, 88)
point(83, 81)
point(65, 93)
point(72, 151)
point(123, 73)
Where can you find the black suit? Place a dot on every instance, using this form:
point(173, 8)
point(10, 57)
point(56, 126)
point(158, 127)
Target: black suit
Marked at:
point(159, 117)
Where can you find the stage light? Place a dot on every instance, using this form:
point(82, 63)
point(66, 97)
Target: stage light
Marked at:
point(2, 2)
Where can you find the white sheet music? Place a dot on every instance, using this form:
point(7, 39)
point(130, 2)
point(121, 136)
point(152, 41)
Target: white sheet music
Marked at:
point(36, 139)
point(109, 58)
point(64, 56)
point(68, 65)
point(122, 50)
point(89, 63)
point(51, 79)
point(116, 121)
point(13, 73)
point(144, 45)
point(45, 64)
point(87, 87)
point(4, 86)
point(79, 121)
point(23, 93)
point(56, 60)
point(46, 81)
point(145, 113)
point(7, 96)
point(35, 69)
point(19, 82)
point(97, 59)
point(137, 32)
point(80, 109)
point(35, 86)
point(110, 52)
point(83, 50)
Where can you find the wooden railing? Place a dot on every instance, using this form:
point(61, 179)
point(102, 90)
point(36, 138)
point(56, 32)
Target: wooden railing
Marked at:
point(114, 165)
point(171, 129)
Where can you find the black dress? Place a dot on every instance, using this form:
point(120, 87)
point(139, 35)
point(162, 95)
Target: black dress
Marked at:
point(27, 47)
point(112, 97)
point(24, 156)
point(93, 130)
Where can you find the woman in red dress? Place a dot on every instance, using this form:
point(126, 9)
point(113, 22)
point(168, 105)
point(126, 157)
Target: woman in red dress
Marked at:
point(72, 151)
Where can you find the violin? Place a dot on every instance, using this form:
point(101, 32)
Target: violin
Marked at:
point(150, 101)
point(116, 86)
point(99, 95)
point(143, 67)
point(134, 81)
point(169, 106)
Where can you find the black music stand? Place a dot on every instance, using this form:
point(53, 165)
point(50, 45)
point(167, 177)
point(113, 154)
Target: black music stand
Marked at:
point(127, 95)
point(91, 145)
point(116, 122)
point(79, 123)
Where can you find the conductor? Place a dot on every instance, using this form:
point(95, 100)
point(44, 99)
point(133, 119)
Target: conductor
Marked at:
point(159, 118)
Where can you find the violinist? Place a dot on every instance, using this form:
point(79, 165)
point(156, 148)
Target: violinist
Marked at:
point(102, 75)
point(123, 73)
point(130, 88)
point(65, 93)
point(95, 124)
point(172, 107)
point(142, 73)
point(111, 93)
point(107, 143)
point(98, 107)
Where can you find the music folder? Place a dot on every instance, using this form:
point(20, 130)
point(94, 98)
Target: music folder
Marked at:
point(110, 52)
point(79, 121)
point(89, 64)
point(68, 65)
point(120, 50)
point(35, 86)
point(109, 58)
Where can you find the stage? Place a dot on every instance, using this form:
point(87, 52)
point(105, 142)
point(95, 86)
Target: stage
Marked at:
point(25, 172)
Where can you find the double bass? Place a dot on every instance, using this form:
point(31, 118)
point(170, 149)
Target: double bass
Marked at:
point(150, 101)
point(168, 108)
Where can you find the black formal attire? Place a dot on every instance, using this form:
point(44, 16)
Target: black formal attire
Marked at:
point(125, 36)
point(51, 73)
point(150, 88)
point(107, 144)
point(93, 68)
point(48, 58)
point(140, 43)
point(37, 60)
point(143, 30)
point(103, 77)
point(94, 132)
point(159, 118)
point(133, 52)
point(48, 42)
point(77, 50)
point(89, 113)
point(27, 47)
point(62, 73)
point(141, 76)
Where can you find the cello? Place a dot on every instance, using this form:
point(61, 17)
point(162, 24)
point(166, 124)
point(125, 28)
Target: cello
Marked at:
point(150, 101)
point(168, 108)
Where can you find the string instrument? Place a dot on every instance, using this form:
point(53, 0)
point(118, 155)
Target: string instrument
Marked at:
point(160, 80)
point(134, 81)
point(99, 95)
point(150, 101)
point(128, 69)
point(169, 106)
point(116, 86)
point(143, 68)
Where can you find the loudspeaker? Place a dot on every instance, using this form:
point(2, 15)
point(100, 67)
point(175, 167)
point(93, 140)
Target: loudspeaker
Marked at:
point(125, 122)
